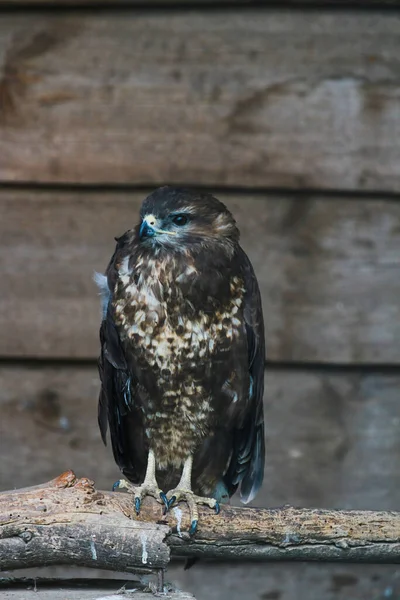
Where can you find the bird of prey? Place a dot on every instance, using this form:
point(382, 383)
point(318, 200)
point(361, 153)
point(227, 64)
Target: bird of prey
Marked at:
point(182, 355)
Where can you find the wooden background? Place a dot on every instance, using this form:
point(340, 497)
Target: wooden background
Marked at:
point(290, 113)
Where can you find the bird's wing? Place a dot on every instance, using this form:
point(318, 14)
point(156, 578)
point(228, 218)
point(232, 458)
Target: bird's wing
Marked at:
point(118, 394)
point(247, 461)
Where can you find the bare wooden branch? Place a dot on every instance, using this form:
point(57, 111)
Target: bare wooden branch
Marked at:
point(67, 521)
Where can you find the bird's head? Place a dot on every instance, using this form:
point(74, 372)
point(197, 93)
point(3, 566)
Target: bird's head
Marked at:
point(181, 220)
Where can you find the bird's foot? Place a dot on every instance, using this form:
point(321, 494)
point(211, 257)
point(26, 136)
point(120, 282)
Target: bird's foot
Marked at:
point(178, 494)
point(140, 491)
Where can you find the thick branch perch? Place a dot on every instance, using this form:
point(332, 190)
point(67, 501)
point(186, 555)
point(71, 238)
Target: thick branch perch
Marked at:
point(67, 521)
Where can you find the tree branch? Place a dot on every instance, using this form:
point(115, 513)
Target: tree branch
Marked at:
point(67, 521)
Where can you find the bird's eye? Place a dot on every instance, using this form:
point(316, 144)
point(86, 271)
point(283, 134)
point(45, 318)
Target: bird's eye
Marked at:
point(180, 220)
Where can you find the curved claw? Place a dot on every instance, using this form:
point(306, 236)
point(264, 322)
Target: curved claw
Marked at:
point(164, 499)
point(137, 505)
point(171, 501)
point(115, 486)
point(193, 527)
point(217, 508)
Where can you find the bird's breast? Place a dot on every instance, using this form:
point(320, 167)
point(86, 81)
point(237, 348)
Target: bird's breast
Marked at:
point(178, 348)
point(166, 329)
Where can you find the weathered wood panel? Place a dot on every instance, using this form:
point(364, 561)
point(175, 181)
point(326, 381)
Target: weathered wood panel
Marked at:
point(230, 581)
point(332, 439)
point(289, 582)
point(328, 269)
point(79, 589)
point(253, 98)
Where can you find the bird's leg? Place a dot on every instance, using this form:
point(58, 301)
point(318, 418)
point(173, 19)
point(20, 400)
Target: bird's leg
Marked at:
point(149, 486)
point(183, 491)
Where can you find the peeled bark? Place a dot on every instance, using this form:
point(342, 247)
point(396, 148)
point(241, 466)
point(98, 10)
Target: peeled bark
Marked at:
point(67, 521)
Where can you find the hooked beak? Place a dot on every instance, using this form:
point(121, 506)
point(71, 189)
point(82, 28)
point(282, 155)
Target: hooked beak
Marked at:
point(148, 228)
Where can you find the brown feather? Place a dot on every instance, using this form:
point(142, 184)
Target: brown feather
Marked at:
point(183, 349)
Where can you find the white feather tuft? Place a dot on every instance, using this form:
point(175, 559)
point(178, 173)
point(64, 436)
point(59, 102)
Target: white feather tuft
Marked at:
point(250, 497)
point(102, 283)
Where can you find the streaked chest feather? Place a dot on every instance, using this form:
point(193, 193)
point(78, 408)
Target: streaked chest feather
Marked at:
point(175, 339)
point(166, 330)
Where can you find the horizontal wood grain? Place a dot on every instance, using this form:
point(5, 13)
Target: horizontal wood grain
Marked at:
point(77, 511)
point(242, 98)
point(332, 438)
point(16, 588)
point(328, 270)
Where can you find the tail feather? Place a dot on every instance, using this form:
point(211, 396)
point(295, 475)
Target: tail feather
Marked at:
point(253, 479)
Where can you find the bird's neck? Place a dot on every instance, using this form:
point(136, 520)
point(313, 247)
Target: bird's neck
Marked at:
point(172, 277)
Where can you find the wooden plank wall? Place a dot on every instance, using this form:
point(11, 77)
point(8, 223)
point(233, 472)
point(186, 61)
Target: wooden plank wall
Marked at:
point(290, 114)
point(262, 98)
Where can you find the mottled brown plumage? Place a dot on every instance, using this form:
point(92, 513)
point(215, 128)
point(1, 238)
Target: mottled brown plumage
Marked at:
point(182, 356)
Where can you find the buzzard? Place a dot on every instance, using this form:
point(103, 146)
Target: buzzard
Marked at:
point(182, 355)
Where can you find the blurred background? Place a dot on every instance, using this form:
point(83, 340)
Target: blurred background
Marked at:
point(289, 113)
